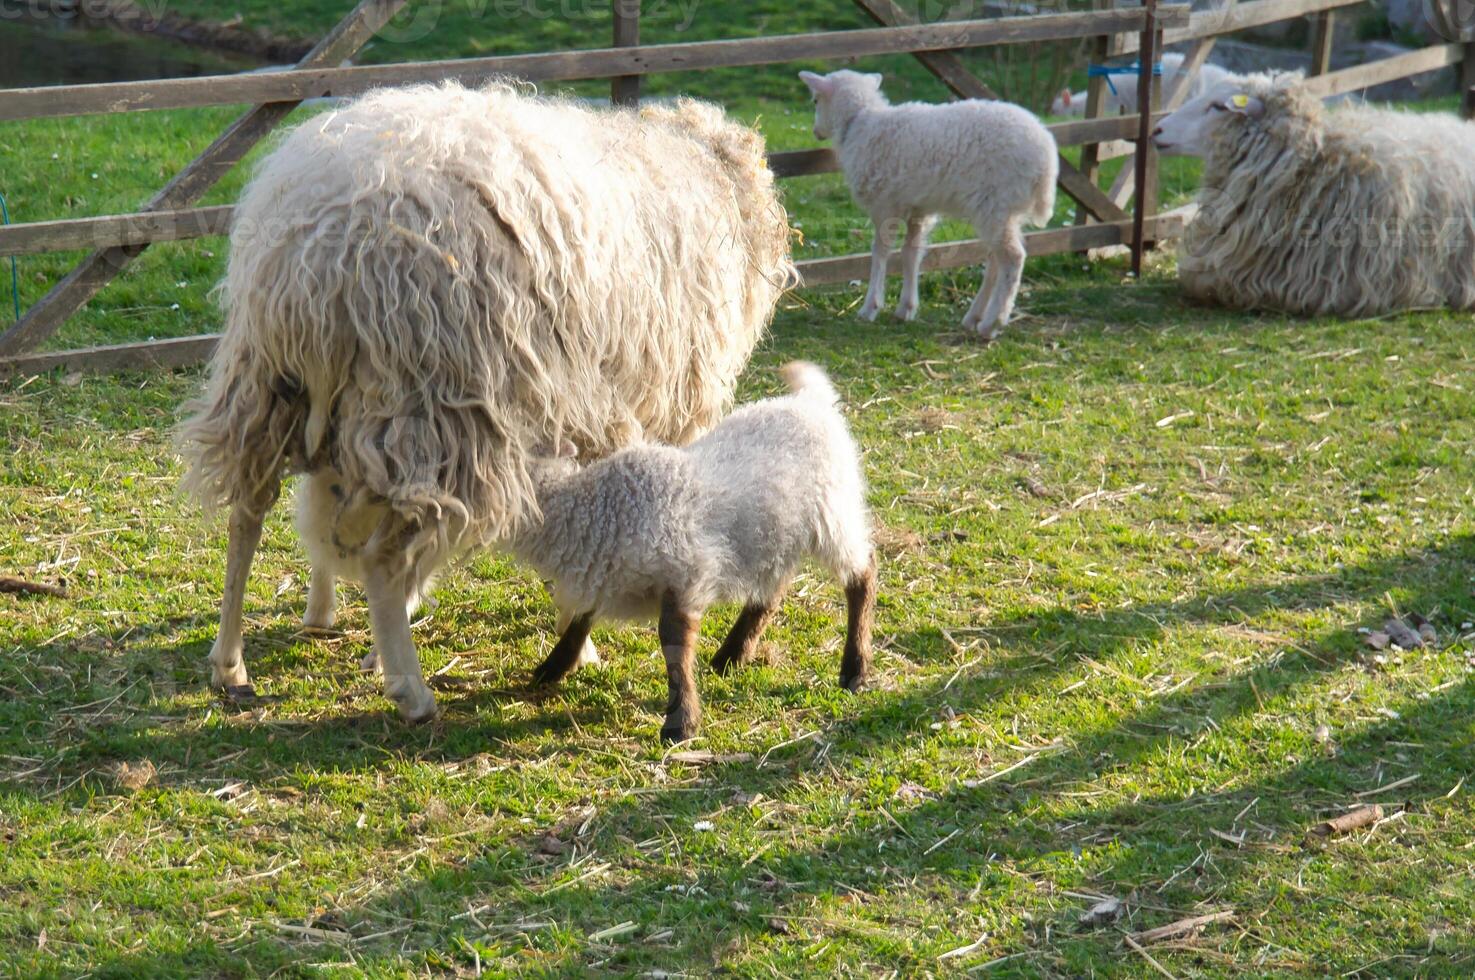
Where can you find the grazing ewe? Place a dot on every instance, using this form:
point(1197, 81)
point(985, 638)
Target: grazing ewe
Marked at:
point(431, 281)
point(1121, 94)
point(989, 163)
point(658, 530)
point(1353, 211)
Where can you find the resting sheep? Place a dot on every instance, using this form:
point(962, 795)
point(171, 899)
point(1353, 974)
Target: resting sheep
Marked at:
point(655, 530)
point(990, 163)
point(1121, 93)
point(428, 283)
point(1353, 211)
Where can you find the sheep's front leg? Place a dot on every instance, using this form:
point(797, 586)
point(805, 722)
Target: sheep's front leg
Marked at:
point(860, 603)
point(1007, 262)
point(227, 665)
point(322, 598)
point(742, 641)
point(913, 249)
point(568, 652)
point(403, 682)
point(678, 633)
point(880, 253)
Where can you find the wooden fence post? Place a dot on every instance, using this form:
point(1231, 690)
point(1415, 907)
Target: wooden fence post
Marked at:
point(625, 89)
point(103, 265)
point(1096, 89)
point(1149, 93)
point(1467, 80)
point(1323, 33)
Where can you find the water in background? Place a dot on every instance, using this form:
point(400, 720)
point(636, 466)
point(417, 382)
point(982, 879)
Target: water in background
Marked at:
point(63, 51)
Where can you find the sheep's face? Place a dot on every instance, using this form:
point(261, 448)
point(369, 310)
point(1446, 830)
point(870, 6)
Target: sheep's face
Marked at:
point(549, 465)
point(837, 96)
point(1190, 129)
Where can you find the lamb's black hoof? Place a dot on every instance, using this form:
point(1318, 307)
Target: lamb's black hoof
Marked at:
point(672, 734)
point(855, 683)
point(725, 661)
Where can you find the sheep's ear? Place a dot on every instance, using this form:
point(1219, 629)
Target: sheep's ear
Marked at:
point(1245, 105)
point(567, 450)
point(875, 79)
point(818, 84)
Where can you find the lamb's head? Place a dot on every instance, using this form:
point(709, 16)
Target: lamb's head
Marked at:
point(1068, 103)
point(551, 464)
point(838, 96)
point(1233, 106)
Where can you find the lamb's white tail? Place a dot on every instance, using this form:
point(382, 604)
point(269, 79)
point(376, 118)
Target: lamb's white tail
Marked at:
point(804, 378)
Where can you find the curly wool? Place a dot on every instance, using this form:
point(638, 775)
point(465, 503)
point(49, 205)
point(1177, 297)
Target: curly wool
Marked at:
point(1355, 211)
point(431, 280)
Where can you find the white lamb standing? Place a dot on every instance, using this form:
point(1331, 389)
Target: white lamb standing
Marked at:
point(1121, 94)
point(655, 530)
point(990, 163)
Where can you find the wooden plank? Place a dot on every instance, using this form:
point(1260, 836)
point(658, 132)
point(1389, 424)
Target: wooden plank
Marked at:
point(1323, 33)
point(801, 163)
point(953, 255)
point(313, 82)
point(625, 89)
point(1257, 13)
point(177, 352)
point(1377, 72)
point(115, 229)
point(189, 185)
point(955, 75)
point(186, 351)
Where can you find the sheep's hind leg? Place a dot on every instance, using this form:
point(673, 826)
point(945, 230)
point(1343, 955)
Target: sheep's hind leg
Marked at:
point(1008, 261)
point(568, 652)
point(678, 633)
point(860, 602)
point(403, 682)
point(913, 249)
point(227, 665)
point(880, 252)
point(742, 640)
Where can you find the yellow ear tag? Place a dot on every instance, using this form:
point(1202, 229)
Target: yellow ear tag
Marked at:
point(1239, 101)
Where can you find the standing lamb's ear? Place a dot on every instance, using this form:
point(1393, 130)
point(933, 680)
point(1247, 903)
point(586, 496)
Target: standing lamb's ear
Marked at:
point(1245, 105)
point(818, 84)
point(567, 450)
point(875, 79)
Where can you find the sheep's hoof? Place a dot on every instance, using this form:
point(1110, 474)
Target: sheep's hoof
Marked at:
point(547, 674)
point(726, 660)
point(419, 711)
point(855, 683)
point(906, 313)
point(869, 312)
point(227, 668)
point(370, 662)
point(674, 734)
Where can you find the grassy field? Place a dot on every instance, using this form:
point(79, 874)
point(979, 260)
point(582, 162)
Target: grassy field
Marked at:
point(1125, 555)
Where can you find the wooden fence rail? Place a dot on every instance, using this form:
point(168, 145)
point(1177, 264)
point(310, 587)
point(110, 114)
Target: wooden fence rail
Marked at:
point(117, 239)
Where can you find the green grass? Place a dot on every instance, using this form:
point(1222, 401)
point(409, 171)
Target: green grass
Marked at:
point(1125, 553)
point(1155, 617)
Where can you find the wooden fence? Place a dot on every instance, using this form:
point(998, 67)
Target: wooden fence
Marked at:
point(1102, 220)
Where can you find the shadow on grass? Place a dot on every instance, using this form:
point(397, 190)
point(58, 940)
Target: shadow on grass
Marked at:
point(1003, 835)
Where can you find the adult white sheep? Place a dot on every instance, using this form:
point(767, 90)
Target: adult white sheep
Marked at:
point(989, 163)
point(1121, 94)
point(430, 281)
point(1352, 211)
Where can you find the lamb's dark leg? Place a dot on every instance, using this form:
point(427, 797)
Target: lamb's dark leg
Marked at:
point(860, 601)
point(678, 632)
point(565, 655)
point(742, 641)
